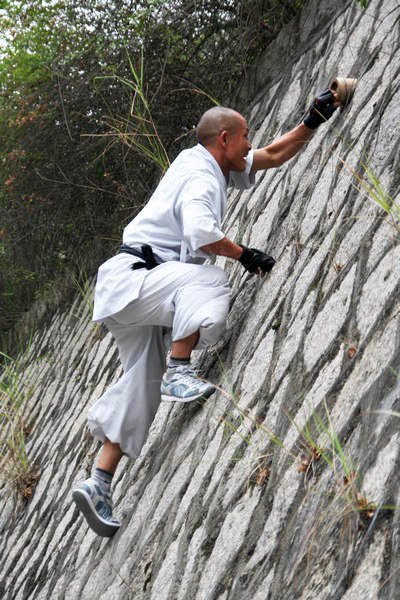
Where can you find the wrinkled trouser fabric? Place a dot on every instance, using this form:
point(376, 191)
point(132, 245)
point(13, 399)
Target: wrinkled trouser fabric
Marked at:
point(181, 296)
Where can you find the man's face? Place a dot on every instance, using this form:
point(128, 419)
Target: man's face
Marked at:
point(238, 146)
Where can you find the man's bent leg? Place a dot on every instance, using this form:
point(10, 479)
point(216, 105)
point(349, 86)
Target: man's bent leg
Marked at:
point(191, 299)
point(202, 303)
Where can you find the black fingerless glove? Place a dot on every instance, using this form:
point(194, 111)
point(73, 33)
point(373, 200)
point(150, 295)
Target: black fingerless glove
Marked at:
point(321, 109)
point(253, 259)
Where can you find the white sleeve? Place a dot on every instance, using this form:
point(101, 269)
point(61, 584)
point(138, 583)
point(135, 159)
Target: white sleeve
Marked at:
point(243, 179)
point(200, 223)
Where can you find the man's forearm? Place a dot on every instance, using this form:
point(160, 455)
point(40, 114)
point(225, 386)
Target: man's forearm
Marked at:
point(282, 149)
point(224, 247)
point(253, 260)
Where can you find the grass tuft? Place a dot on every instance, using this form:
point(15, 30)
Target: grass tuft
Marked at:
point(138, 130)
point(368, 184)
point(16, 470)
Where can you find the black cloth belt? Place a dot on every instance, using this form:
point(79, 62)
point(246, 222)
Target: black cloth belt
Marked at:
point(146, 254)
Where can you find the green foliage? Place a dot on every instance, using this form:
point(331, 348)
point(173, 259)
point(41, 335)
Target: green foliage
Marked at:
point(95, 99)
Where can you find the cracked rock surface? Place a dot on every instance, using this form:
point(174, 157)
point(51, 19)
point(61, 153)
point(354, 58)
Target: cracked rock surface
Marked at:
point(284, 484)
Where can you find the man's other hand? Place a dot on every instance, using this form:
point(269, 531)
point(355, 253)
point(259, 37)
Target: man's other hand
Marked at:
point(256, 261)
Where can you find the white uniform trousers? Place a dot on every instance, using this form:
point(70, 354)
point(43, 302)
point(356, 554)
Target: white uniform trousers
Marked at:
point(182, 296)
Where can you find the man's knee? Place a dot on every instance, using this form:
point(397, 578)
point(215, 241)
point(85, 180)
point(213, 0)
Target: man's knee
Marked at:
point(213, 275)
point(211, 330)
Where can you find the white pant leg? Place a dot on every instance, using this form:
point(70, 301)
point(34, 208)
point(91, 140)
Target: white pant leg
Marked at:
point(125, 412)
point(183, 296)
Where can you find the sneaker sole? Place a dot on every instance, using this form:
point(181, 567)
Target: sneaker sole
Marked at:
point(96, 523)
point(167, 398)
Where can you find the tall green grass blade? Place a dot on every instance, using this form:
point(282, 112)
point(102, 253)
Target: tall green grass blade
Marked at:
point(345, 464)
point(391, 413)
point(151, 146)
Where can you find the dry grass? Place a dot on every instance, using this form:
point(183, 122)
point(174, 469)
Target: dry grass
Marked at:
point(16, 470)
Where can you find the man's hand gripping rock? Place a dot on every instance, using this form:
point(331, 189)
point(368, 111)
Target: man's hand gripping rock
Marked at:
point(256, 261)
point(321, 109)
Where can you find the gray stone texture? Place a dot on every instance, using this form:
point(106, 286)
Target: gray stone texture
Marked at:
point(227, 500)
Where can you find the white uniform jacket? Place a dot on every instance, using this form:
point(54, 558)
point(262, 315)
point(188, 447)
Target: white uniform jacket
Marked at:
point(184, 213)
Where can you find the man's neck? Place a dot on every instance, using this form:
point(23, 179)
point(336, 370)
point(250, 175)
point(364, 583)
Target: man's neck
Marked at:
point(218, 155)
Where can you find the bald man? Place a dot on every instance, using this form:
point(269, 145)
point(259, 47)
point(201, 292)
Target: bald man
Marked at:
point(158, 283)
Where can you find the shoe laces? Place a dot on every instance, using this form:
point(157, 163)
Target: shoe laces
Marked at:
point(186, 374)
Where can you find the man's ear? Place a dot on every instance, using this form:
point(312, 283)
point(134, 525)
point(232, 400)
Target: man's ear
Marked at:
point(223, 137)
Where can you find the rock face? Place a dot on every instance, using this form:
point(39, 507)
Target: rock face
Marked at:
point(284, 484)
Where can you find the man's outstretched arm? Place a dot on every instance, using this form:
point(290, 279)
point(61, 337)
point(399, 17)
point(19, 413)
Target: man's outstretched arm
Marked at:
point(282, 149)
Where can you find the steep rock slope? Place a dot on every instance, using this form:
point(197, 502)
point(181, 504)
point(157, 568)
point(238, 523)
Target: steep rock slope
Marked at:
point(283, 484)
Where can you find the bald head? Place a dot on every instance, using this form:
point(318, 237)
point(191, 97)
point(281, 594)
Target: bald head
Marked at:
point(214, 121)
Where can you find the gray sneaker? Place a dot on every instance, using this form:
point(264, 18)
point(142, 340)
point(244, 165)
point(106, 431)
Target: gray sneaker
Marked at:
point(182, 384)
point(95, 505)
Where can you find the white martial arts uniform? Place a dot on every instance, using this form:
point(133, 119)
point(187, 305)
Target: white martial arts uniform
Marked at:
point(184, 213)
